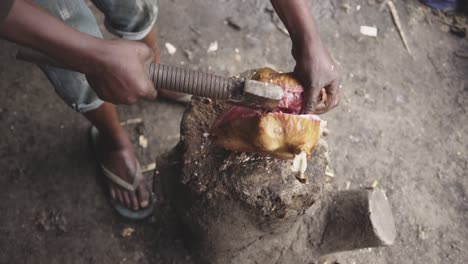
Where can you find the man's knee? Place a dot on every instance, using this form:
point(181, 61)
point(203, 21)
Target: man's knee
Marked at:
point(73, 88)
point(129, 19)
point(75, 14)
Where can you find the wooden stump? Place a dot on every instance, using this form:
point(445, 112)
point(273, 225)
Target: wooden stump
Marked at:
point(244, 207)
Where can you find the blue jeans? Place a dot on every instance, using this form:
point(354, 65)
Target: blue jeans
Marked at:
point(129, 19)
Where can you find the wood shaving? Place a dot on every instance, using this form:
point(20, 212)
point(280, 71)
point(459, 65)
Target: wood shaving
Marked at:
point(143, 141)
point(132, 121)
point(127, 232)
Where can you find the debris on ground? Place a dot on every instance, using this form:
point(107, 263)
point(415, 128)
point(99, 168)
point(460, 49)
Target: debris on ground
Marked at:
point(188, 54)
point(143, 141)
point(233, 23)
point(140, 128)
point(170, 48)
point(51, 220)
point(396, 20)
point(383, 5)
point(461, 54)
point(132, 121)
point(368, 31)
point(329, 172)
point(422, 232)
point(346, 7)
point(127, 232)
point(149, 167)
point(348, 184)
point(373, 185)
point(213, 47)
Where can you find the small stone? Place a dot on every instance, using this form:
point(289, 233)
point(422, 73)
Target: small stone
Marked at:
point(206, 135)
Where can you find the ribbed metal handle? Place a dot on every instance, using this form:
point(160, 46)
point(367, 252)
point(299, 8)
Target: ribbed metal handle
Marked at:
point(193, 82)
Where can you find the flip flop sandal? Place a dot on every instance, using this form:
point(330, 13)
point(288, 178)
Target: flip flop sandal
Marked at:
point(120, 208)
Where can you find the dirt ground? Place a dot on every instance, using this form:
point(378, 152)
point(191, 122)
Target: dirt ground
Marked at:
point(402, 121)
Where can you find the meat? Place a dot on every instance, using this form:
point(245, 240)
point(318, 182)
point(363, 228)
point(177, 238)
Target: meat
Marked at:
point(281, 132)
point(292, 99)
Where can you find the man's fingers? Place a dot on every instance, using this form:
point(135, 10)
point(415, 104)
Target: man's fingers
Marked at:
point(331, 101)
point(320, 109)
point(332, 92)
point(311, 97)
point(151, 92)
point(144, 51)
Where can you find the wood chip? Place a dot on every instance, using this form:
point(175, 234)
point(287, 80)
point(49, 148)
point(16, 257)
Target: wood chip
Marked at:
point(397, 21)
point(373, 185)
point(143, 141)
point(149, 167)
point(348, 184)
point(329, 172)
point(132, 121)
point(213, 47)
point(170, 48)
point(127, 232)
point(368, 31)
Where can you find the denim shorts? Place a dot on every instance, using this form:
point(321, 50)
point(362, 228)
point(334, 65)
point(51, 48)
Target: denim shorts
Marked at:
point(129, 19)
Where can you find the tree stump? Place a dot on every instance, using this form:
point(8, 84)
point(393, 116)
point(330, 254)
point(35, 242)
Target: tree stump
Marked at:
point(247, 208)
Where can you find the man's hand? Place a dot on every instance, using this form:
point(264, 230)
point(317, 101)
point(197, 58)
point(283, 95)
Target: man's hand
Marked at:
point(315, 68)
point(120, 73)
point(117, 70)
point(316, 71)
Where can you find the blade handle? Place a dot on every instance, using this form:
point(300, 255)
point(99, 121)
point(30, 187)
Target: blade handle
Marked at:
point(192, 82)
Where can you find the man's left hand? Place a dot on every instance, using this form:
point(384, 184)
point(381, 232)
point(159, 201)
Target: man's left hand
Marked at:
point(316, 70)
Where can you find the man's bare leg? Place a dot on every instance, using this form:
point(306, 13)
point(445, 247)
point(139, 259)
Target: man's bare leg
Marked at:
point(116, 154)
point(116, 151)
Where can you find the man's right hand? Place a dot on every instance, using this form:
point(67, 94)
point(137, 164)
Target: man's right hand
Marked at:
point(116, 69)
point(119, 73)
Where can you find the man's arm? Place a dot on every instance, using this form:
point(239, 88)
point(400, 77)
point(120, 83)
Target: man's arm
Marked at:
point(314, 66)
point(115, 69)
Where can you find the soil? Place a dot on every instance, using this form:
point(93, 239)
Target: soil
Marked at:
point(402, 122)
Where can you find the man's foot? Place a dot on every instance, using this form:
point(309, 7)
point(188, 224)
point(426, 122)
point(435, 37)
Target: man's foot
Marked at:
point(117, 156)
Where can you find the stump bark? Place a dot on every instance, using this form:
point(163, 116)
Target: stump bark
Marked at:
point(248, 208)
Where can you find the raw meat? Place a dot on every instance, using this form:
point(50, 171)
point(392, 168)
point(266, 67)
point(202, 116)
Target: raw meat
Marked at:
point(281, 132)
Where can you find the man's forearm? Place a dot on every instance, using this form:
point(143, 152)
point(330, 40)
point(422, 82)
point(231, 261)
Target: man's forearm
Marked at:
point(29, 25)
point(297, 18)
